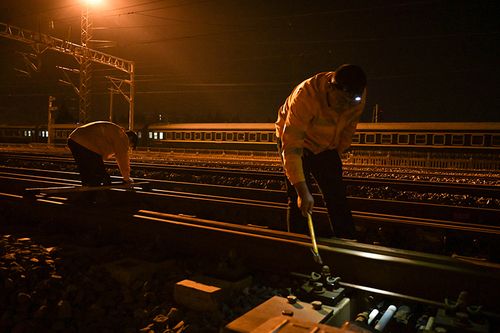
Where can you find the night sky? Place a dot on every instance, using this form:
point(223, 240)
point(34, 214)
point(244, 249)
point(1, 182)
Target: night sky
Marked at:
point(236, 61)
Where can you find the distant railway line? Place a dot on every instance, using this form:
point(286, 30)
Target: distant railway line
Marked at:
point(271, 177)
point(381, 221)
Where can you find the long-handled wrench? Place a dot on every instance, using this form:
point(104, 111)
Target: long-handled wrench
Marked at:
point(314, 249)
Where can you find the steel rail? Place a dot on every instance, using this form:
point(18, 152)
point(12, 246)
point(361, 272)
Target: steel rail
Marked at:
point(407, 185)
point(372, 207)
point(369, 267)
point(263, 214)
point(389, 270)
point(426, 210)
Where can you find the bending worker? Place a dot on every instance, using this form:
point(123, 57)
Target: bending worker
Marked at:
point(315, 125)
point(94, 142)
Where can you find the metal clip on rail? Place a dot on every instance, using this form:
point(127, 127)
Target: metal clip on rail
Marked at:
point(317, 257)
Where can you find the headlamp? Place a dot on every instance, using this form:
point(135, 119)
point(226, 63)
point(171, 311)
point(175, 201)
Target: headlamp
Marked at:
point(354, 96)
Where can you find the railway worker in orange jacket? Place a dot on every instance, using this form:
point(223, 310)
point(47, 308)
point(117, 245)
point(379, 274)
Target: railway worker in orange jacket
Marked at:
point(94, 142)
point(314, 126)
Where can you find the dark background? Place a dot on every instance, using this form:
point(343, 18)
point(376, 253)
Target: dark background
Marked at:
point(236, 61)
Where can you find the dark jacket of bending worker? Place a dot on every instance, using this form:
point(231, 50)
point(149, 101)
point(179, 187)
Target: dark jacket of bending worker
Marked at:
point(94, 142)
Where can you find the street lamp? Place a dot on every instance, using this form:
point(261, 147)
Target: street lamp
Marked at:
point(86, 22)
point(93, 2)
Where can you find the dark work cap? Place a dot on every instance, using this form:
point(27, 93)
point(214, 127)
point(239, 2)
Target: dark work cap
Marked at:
point(350, 78)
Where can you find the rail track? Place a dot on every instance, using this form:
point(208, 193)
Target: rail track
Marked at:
point(397, 224)
point(274, 178)
point(397, 221)
point(389, 272)
point(207, 220)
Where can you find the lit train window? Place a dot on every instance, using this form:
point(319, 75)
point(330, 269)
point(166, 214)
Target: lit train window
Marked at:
point(27, 133)
point(178, 135)
point(495, 140)
point(240, 136)
point(160, 135)
point(438, 139)
point(370, 138)
point(386, 139)
point(154, 135)
point(139, 135)
point(252, 137)
point(403, 139)
point(207, 136)
point(218, 136)
point(420, 139)
point(457, 139)
point(229, 137)
point(356, 138)
point(187, 135)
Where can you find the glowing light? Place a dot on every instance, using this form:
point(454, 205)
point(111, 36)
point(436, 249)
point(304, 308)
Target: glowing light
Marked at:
point(93, 3)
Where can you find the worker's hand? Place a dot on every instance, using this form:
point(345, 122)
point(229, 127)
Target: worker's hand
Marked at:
point(306, 204)
point(305, 200)
point(129, 182)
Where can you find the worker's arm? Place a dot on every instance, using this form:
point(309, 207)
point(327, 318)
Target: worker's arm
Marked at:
point(123, 162)
point(122, 157)
point(299, 117)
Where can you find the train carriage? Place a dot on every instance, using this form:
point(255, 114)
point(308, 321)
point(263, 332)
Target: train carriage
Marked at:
point(424, 144)
point(427, 145)
point(223, 136)
point(18, 134)
point(428, 135)
point(261, 136)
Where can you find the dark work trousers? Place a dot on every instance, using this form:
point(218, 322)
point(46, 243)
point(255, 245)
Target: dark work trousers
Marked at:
point(326, 169)
point(90, 165)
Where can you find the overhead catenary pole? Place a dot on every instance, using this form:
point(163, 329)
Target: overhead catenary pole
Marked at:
point(85, 67)
point(131, 98)
point(111, 93)
point(50, 120)
point(42, 42)
point(376, 114)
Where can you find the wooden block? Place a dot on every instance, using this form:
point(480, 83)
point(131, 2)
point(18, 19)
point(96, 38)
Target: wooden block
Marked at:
point(197, 296)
